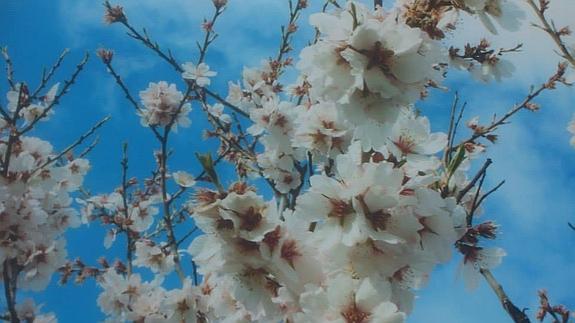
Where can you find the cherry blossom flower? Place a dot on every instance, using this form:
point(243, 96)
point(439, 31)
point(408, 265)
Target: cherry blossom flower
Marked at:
point(477, 258)
point(184, 179)
point(163, 103)
point(200, 74)
point(152, 256)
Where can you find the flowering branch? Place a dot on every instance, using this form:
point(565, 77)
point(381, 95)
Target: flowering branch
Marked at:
point(9, 68)
point(168, 57)
point(480, 132)
point(46, 76)
point(209, 28)
point(58, 96)
point(560, 313)
point(78, 142)
point(124, 193)
point(10, 276)
point(551, 30)
point(106, 56)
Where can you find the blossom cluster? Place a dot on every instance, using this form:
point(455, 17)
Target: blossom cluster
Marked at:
point(163, 105)
point(378, 208)
point(36, 208)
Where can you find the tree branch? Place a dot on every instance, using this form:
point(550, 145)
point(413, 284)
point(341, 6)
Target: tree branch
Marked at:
point(515, 313)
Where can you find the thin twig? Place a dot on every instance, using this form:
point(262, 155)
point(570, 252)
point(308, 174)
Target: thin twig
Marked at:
point(129, 242)
point(9, 68)
point(550, 29)
point(148, 42)
point(474, 204)
point(447, 154)
point(58, 96)
point(78, 142)
point(471, 184)
point(491, 191)
point(127, 93)
point(525, 104)
point(14, 135)
point(47, 76)
point(208, 39)
point(187, 235)
point(89, 148)
point(10, 281)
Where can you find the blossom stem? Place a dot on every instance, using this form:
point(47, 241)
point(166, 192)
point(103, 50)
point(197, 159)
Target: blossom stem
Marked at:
point(124, 163)
point(10, 282)
point(14, 134)
point(514, 312)
point(208, 37)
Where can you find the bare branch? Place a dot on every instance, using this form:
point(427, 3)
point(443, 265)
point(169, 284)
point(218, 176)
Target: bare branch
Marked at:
point(59, 95)
point(47, 76)
point(474, 180)
point(78, 142)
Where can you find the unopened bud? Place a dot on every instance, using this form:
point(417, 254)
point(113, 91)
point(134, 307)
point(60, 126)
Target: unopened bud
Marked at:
point(219, 3)
point(106, 55)
point(114, 14)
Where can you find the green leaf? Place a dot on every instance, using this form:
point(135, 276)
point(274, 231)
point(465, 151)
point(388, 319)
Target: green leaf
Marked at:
point(208, 165)
point(456, 162)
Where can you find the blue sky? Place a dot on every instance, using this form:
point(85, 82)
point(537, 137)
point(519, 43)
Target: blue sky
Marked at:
point(533, 154)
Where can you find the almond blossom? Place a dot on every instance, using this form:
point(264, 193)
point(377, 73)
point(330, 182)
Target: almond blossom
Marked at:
point(199, 73)
point(163, 103)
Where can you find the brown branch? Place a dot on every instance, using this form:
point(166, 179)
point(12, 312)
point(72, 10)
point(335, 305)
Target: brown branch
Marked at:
point(290, 30)
point(208, 39)
point(10, 276)
point(471, 184)
point(78, 142)
point(169, 58)
point(89, 148)
point(163, 167)
point(550, 29)
point(127, 93)
point(450, 132)
point(58, 96)
point(491, 191)
point(47, 76)
point(525, 104)
point(129, 242)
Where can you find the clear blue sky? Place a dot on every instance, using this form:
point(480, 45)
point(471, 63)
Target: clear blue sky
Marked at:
point(533, 154)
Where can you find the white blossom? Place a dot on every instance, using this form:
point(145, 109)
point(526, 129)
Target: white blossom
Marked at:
point(200, 73)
